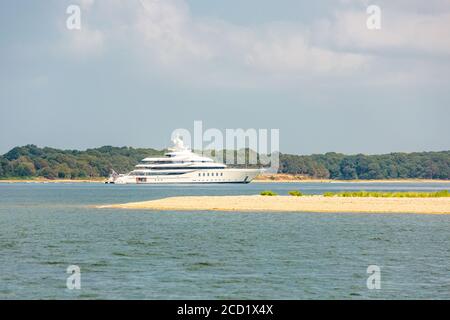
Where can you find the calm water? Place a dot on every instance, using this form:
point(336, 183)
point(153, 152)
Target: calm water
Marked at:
point(44, 228)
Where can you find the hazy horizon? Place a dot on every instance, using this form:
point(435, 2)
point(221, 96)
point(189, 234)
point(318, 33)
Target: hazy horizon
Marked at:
point(138, 69)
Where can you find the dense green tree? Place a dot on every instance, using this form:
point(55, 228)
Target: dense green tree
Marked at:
point(348, 168)
point(48, 173)
point(27, 161)
point(23, 167)
point(6, 167)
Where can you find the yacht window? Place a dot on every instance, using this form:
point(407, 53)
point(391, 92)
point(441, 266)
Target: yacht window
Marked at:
point(199, 174)
point(207, 174)
point(221, 174)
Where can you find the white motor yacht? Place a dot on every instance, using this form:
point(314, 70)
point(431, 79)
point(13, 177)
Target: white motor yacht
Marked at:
point(181, 165)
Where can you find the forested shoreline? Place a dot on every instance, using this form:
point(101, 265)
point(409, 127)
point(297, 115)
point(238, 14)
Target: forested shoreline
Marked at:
point(31, 161)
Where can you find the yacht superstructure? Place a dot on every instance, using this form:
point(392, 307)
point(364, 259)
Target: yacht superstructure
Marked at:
point(181, 165)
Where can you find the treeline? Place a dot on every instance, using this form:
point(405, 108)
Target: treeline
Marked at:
point(417, 165)
point(32, 161)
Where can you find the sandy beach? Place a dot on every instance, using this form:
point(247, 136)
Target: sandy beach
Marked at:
point(280, 177)
point(43, 180)
point(259, 203)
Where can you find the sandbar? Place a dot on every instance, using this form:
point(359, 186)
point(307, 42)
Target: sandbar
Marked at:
point(314, 203)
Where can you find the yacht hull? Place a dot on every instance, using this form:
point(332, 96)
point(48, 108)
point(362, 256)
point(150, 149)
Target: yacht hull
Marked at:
point(193, 177)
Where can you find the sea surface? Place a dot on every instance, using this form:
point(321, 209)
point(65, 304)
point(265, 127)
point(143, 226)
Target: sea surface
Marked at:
point(45, 228)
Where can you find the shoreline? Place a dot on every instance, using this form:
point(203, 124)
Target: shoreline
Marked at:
point(350, 181)
point(260, 180)
point(52, 180)
point(313, 203)
point(280, 177)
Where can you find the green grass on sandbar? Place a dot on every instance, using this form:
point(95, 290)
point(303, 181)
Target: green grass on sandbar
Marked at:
point(378, 194)
point(268, 193)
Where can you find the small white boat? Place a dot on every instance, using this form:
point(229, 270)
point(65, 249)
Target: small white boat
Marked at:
point(113, 177)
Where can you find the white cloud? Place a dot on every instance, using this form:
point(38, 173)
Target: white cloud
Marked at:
point(167, 36)
point(410, 33)
point(279, 51)
point(168, 30)
point(171, 32)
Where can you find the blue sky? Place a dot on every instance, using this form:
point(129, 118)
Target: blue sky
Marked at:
point(137, 70)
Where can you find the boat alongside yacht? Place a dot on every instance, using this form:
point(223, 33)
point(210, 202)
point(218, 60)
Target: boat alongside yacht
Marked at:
point(181, 165)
